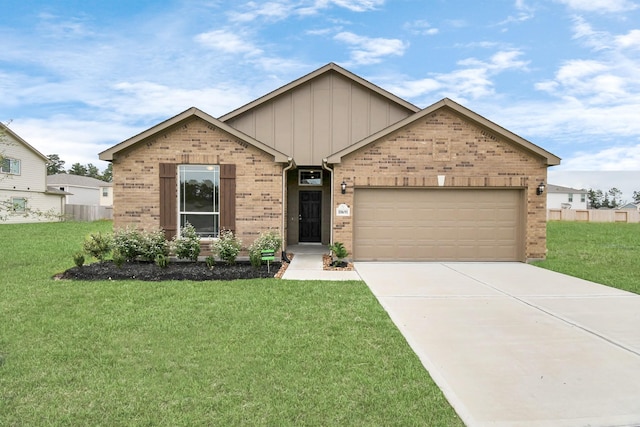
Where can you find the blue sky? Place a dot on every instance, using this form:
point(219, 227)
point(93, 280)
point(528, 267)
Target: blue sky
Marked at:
point(77, 77)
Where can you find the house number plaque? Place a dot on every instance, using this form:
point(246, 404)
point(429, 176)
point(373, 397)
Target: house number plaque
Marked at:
point(343, 210)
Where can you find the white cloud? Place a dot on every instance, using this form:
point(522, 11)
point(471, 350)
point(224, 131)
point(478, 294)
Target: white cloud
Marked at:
point(228, 42)
point(472, 80)
point(631, 40)
point(421, 27)
point(367, 50)
point(282, 9)
point(600, 5)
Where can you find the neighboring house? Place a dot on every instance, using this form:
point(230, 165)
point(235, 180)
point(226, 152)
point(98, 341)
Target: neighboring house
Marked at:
point(630, 207)
point(559, 197)
point(24, 196)
point(83, 190)
point(331, 157)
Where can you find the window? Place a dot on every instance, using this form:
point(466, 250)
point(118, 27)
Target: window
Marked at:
point(19, 204)
point(199, 198)
point(583, 198)
point(310, 177)
point(570, 197)
point(105, 191)
point(11, 166)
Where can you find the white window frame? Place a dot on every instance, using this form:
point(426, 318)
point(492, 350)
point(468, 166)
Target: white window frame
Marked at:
point(570, 197)
point(14, 166)
point(303, 181)
point(105, 191)
point(215, 171)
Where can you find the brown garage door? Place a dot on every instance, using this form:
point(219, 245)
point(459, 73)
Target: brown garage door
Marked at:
point(438, 225)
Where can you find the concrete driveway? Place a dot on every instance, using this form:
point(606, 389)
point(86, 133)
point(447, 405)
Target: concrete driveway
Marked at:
point(511, 344)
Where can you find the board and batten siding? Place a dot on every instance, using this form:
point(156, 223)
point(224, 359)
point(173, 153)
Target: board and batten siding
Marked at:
point(319, 118)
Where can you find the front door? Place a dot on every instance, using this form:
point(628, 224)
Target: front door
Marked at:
point(309, 216)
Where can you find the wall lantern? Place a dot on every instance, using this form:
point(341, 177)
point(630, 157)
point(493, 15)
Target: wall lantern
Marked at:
point(343, 187)
point(540, 188)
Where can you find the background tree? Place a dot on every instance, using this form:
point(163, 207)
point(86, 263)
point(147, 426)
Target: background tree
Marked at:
point(93, 171)
point(78, 169)
point(55, 165)
point(595, 198)
point(636, 197)
point(615, 198)
point(107, 175)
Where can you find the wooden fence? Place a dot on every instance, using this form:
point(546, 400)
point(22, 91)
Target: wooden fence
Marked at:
point(88, 212)
point(593, 215)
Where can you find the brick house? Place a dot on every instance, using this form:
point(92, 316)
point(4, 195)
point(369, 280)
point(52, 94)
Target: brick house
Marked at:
point(331, 157)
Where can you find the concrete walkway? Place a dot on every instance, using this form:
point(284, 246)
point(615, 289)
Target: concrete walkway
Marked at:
point(307, 265)
point(515, 345)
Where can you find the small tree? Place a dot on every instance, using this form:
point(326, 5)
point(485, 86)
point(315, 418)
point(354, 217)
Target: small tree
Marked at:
point(98, 245)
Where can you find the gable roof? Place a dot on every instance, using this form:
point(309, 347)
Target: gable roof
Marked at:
point(551, 159)
point(7, 130)
point(185, 115)
point(304, 79)
point(552, 188)
point(76, 180)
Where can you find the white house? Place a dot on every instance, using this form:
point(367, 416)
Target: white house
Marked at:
point(24, 196)
point(83, 190)
point(559, 197)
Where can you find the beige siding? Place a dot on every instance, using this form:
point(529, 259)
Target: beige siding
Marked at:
point(33, 169)
point(319, 118)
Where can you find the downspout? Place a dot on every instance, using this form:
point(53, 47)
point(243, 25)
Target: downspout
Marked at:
point(326, 166)
point(284, 205)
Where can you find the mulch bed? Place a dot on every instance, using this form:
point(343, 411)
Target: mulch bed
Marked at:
point(149, 271)
point(327, 264)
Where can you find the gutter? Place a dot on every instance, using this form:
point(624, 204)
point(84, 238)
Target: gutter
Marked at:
point(284, 203)
point(326, 167)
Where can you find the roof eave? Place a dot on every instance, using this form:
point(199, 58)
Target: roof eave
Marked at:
point(306, 78)
point(550, 159)
point(108, 154)
point(17, 137)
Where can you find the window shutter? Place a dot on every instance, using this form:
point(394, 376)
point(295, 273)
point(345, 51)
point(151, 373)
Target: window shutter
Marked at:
point(168, 200)
point(228, 197)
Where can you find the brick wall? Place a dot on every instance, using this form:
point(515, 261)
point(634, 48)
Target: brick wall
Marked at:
point(444, 143)
point(258, 178)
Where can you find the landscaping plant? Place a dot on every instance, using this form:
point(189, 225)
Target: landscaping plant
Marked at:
point(268, 241)
point(340, 252)
point(98, 245)
point(187, 245)
point(227, 246)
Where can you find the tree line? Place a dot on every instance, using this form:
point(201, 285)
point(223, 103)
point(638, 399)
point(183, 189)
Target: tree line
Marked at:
point(608, 199)
point(55, 165)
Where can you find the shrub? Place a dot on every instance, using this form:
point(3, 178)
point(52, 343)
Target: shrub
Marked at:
point(154, 244)
point(98, 245)
point(78, 259)
point(269, 241)
point(210, 261)
point(187, 245)
point(339, 251)
point(132, 243)
point(161, 261)
point(128, 243)
point(118, 258)
point(227, 246)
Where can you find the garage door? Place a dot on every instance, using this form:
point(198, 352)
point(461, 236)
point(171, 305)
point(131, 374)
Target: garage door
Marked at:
point(438, 225)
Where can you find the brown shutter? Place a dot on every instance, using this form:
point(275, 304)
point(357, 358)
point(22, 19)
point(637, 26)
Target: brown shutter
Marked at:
point(168, 200)
point(228, 197)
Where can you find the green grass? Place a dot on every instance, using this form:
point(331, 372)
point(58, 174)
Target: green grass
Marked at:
point(254, 352)
point(607, 253)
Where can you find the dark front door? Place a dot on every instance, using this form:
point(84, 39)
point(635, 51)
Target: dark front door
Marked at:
point(309, 216)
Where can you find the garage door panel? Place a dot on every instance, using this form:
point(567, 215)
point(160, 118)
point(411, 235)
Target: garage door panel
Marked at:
point(438, 224)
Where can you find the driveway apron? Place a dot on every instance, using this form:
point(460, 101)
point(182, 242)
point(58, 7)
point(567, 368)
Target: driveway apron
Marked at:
point(511, 344)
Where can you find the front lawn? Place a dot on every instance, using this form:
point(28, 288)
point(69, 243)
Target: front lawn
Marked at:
point(607, 253)
point(249, 352)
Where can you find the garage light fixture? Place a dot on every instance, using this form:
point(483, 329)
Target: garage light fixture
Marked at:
point(343, 187)
point(540, 188)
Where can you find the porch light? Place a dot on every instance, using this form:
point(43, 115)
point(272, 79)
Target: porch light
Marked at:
point(343, 187)
point(540, 188)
